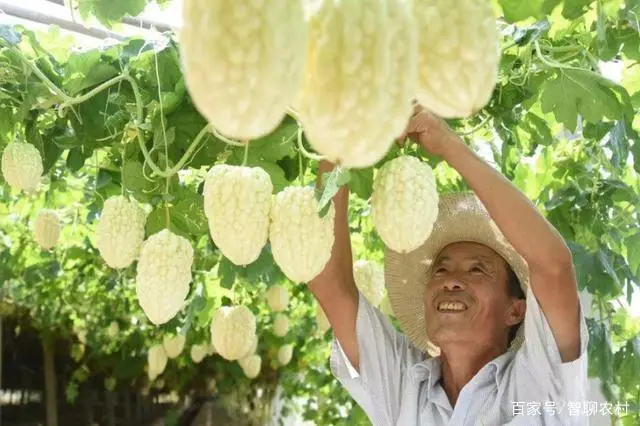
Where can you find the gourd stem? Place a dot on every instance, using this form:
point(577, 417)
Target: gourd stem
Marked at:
point(90, 94)
point(246, 153)
point(551, 63)
point(476, 128)
point(300, 173)
point(224, 138)
point(304, 152)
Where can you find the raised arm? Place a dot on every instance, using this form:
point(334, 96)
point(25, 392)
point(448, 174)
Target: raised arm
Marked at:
point(334, 287)
point(552, 275)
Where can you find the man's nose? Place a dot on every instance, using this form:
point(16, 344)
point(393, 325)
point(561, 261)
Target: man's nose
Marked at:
point(453, 284)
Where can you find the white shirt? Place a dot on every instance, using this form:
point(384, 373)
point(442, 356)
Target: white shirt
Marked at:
point(398, 385)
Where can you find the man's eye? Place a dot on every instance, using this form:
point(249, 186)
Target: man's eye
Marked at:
point(476, 269)
point(440, 269)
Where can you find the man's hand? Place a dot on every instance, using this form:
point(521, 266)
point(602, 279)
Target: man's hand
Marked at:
point(430, 131)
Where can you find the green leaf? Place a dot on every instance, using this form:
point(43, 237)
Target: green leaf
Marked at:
point(103, 179)
point(627, 363)
point(516, 10)
point(159, 136)
point(633, 253)
point(261, 269)
point(630, 13)
point(75, 159)
point(331, 183)
point(226, 272)
point(608, 267)
point(187, 123)
point(278, 178)
point(156, 221)
point(133, 178)
point(635, 150)
point(87, 69)
point(169, 71)
point(188, 214)
point(361, 182)
point(110, 11)
point(278, 144)
point(573, 9)
point(575, 92)
point(600, 352)
point(51, 153)
point(618, 142)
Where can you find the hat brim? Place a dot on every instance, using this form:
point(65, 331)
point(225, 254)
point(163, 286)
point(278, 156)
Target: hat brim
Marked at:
point(461, 217)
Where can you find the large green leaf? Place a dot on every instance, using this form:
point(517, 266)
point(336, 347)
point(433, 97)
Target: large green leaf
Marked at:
point(574, 92)
point(108, 12)
point(515, 10)
point(573, 9)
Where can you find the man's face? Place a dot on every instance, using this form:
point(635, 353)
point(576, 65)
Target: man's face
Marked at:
point(466, 297)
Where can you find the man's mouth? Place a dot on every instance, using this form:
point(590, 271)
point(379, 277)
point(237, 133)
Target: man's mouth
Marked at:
point(448, 306)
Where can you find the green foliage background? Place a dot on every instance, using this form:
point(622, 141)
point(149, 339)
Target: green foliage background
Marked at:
point(560, 130)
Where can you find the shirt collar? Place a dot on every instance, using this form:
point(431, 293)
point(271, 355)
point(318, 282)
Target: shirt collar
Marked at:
point(431, 370)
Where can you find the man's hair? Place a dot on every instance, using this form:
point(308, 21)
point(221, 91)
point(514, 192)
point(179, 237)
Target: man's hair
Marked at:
point(514, 290)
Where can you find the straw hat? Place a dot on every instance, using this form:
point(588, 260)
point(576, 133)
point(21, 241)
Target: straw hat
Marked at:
point(461, 217)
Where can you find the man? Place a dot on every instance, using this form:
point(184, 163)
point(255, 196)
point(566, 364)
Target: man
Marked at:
point(503, 358)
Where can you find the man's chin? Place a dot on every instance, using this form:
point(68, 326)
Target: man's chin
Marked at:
point(446, 335)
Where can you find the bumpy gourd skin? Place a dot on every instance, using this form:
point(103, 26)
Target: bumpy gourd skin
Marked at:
point(277, 298)
point(459, 53)
point(237, 202)
point(243, 61)
point(301, 241)
point(284, 354)
point(120, 231)
point(198, 352)
point(359, 78)
point(254, 346)
point(173, 345)
point(369, 278)
point(404, 203)
point(164, 275)
point(22, 166)
point(232, 331)
point(281, 325)
point(403, 63)
point(47, 229)
point(157, 360)
point(251, 366)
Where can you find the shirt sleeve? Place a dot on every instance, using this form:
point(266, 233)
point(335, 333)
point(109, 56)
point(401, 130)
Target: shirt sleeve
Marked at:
point(543, 377)
point(385, 355)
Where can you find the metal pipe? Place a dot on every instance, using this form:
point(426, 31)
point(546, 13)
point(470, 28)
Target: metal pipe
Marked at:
point(35, 16)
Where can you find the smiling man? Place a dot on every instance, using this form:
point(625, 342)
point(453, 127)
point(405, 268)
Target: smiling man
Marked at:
point(493, 332)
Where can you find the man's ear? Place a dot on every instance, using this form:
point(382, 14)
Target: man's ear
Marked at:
point(516, 311)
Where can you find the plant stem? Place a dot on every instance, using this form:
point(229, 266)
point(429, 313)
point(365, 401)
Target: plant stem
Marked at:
point(90, 94)
point(300, 173)
point(140, 115)
point(476, 128)
point(246, 153)
point(42, 76)
point(166, 145)
point(166, 206)
point(551, 63)
point(224, 138)
point(304, 152)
